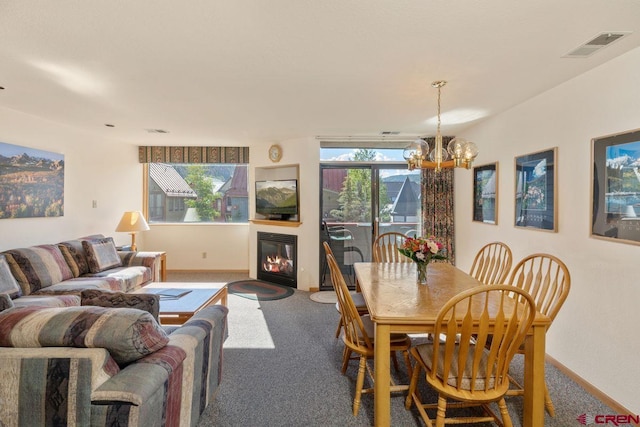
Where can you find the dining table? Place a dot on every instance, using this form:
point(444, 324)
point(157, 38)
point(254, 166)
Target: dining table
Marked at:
point(398, 304)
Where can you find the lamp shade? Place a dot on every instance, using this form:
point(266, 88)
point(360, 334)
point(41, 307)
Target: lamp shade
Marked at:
point(132, 221)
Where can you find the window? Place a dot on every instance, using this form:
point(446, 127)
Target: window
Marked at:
point(197, 192)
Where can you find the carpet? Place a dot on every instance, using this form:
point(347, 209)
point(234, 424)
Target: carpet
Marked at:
point(324, 297)
point(259, 290)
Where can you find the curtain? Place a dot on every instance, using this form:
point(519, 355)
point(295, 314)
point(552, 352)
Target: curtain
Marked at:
point(151, 154)
point(437, 203)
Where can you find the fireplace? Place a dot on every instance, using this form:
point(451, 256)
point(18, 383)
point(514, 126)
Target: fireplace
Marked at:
point(277, 256)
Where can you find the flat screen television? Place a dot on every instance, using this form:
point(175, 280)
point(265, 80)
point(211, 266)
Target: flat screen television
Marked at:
point(277, 199)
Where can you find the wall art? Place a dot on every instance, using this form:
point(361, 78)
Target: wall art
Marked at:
point(485, 193)
point(615, 187)
point(536, 198)
point(31, 182)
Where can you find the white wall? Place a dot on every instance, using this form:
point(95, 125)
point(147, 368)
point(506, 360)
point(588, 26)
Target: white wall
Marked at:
point(103, 170)
point(595, 333)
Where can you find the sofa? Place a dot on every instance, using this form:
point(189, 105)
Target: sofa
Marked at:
point(54, 274)
point(99, 366)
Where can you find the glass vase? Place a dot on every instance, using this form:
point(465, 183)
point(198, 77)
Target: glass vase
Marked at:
point(421, 273)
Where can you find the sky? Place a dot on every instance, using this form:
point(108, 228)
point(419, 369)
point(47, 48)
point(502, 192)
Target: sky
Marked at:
point(10, 150)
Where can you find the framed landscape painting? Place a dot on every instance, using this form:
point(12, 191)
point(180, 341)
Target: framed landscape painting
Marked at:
point(485, 193)
point(615, 187)
point(536, 196)
point(31, 182)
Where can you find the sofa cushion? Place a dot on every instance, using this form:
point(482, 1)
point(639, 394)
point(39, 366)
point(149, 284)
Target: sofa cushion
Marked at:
point(101, 254)
point(37, 267)
point(129, 278)
point(8, 284)
point(74, 255)
point(48, 301)
point(128, 334)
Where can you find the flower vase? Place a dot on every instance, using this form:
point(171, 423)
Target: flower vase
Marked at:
point(421, 272)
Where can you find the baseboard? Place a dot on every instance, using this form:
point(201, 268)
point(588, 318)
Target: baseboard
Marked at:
point(314, 289)
point(591, 389)
point(209, 271)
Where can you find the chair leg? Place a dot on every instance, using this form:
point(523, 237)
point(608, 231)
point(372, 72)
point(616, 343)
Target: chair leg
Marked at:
point(442, 410)
point(407, 361)
point(506, 419)
point(412, 386)
point(359, 384)
point(548, 404)
point(346, 356)
point(394, 357)
point(339, 328)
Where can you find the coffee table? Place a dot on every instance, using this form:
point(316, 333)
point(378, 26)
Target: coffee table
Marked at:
point(176, 311)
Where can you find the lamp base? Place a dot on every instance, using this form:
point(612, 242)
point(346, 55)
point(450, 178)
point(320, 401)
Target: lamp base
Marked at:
point(133, 242)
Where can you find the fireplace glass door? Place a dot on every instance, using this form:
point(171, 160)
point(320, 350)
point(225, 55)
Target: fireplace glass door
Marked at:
point(277, 255)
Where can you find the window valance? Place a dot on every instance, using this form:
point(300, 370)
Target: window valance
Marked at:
point(155, 154)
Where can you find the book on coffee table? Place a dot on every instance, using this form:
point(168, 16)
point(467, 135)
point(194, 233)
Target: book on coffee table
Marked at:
point(172, 293)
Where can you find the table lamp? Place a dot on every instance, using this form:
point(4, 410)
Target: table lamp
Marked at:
point(132, 222)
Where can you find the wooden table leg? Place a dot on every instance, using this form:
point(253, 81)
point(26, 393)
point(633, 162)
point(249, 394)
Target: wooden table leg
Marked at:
point(163, 267)
point(534, 378)
point(382, 373)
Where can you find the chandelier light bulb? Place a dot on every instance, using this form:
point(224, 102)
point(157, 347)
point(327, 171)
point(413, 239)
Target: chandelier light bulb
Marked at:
point(470, 151)
point(433, 156)
point(457, 147)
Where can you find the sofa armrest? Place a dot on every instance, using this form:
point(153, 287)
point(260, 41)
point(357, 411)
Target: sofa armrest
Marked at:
point(151, 260)
point(147, 392)
point(174, 385)
point(202, 337)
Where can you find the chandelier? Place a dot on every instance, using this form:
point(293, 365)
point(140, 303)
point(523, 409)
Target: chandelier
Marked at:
point(460, 153)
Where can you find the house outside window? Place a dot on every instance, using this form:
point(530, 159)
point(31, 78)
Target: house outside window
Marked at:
point(197, 193)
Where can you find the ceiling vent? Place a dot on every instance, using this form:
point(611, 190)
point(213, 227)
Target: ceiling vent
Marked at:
point(595, 44)
point(157, 131)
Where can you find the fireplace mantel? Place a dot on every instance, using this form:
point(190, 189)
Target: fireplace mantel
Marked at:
point(274, 222)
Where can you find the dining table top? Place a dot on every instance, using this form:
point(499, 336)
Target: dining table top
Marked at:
point(393, 296)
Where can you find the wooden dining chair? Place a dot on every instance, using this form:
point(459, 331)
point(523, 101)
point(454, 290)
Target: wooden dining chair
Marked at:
point(492, 263)
point(357, 297)
point(385, 247)
point(357, 335)
point(458, 366)
point(546, 278)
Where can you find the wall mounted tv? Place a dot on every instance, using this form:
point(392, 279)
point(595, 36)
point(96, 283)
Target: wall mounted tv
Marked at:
point(277, 199)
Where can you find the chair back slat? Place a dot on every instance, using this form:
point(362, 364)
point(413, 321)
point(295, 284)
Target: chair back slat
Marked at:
point(485, 316)
point(385, 248)
point(546, 278)
point(492, 263)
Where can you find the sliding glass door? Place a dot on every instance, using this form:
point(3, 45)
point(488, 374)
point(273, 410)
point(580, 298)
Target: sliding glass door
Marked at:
point(358, 201)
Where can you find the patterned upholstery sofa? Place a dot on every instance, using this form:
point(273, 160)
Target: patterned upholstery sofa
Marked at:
point(81, 366)
point(54, 274)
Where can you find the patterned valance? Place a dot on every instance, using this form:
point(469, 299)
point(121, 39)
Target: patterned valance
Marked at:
point(193, 154)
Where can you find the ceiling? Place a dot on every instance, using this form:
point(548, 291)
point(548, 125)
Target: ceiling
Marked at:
point(242, 71)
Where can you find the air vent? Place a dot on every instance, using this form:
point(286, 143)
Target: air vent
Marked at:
point(157, 131)
point(596, 43)
point(390, 132)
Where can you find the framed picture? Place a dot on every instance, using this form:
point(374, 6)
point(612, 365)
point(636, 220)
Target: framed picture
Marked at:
point(31, 182)
point(615, 187)
point(536, 195)
point(485, 193)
